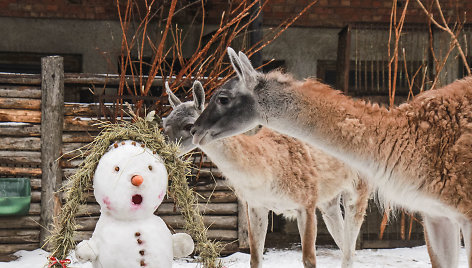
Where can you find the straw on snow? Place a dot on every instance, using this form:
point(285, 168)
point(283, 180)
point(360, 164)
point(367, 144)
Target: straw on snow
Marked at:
point(79, 186)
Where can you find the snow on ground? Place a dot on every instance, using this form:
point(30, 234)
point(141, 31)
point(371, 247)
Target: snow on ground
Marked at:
point(279, 258)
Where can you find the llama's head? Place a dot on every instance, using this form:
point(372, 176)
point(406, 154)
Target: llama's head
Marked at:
point(178, 123)
point(233, 108)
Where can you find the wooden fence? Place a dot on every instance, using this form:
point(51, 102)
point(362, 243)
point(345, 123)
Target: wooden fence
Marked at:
point(35, 130)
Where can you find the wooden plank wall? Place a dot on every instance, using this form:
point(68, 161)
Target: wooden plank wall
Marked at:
point(20, 156)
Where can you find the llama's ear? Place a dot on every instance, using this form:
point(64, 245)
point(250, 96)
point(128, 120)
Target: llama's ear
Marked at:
point(198, 96)
point(249, 73)
point(173, 100)
point(236, 63)
point(246, 63)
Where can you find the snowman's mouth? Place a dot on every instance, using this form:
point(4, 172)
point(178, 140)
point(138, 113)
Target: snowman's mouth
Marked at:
point(137, 199)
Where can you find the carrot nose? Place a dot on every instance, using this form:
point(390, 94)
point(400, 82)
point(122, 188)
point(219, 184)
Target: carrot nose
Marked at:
point(137, 180)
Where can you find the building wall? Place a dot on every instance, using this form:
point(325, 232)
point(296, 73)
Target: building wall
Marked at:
point(99, 43)
point(333, 13)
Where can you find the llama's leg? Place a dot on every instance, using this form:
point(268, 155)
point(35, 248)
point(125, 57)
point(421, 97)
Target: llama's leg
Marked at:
point(355, 205)
point(306, 221)
point(257, 229)
point(443, 241)
point(333, 218)
point(466, 227)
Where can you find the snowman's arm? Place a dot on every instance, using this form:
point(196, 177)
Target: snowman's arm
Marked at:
point(87, 250)
point(182, 245)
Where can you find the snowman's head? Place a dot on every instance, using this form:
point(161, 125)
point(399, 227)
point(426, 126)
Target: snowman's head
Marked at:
point(130, 181)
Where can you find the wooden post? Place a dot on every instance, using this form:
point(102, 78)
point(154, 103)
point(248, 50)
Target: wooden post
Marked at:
point(52, 110)
point(243, 238)
point(343, 61)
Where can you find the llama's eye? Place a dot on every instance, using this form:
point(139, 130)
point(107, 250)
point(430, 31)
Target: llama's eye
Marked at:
point(223, 100)
point(117, 168)
point(188, 127)
point(150, 167)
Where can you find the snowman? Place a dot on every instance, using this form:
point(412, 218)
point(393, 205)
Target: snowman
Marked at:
point(129, 183)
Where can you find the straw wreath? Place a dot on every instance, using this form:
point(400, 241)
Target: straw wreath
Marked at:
point(80, 184)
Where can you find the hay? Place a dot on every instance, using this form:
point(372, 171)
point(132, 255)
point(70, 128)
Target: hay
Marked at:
point(79, 186)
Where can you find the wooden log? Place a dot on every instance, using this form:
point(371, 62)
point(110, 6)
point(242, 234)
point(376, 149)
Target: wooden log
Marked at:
point(19, 222)
point(243, 227)
point(35, 196)
point(35, 184)
point(27, 116)
point(20, 157)
point(15, 78)
point(219, 185)
point(20, 143)
point(204, 173)
point(35, 209)
point(70, 164)
point(104, 79)
point(206, 209)
point(20, 171)
point(78, 137)
point(29, 92)
point(74, 123)
point(25, 130)
point(18, 236)
point(223, 235)
point(12, 248)
point(20, 103)
point(93, 209)
point(72, 146)
point(52, 109)
point(175, 221)
point(213, 222)
point(214, 197)
point(229, 247)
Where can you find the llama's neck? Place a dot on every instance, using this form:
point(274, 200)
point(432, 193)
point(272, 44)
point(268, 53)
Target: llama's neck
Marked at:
point(236, 154)
point(313, 112)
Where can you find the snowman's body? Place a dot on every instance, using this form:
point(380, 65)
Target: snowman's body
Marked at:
point(129, 184)
point(124, 244)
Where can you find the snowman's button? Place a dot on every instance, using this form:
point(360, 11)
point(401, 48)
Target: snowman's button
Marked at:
point(137, 234)
point(141, 252)
point(140, 241)
point(143, 263)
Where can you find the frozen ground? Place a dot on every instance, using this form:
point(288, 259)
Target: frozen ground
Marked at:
point(276, 258)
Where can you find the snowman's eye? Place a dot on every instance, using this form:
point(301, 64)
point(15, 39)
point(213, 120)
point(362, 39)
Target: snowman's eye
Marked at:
point(150, 167)
point(117, 168)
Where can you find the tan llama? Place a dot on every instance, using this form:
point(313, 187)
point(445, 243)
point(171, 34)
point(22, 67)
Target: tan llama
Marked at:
point(270, 171)
point(418, 155)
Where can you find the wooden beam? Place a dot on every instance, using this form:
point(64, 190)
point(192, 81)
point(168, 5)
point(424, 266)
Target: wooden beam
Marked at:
point(20, 143)
point(26, 116)
point(20, 157)
point(20, 171)
point(25, 130)
point(243, 237)
point(20, 236)
point(20, 103)
point(343, 59)
point(15, 222)
point(52, 110)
